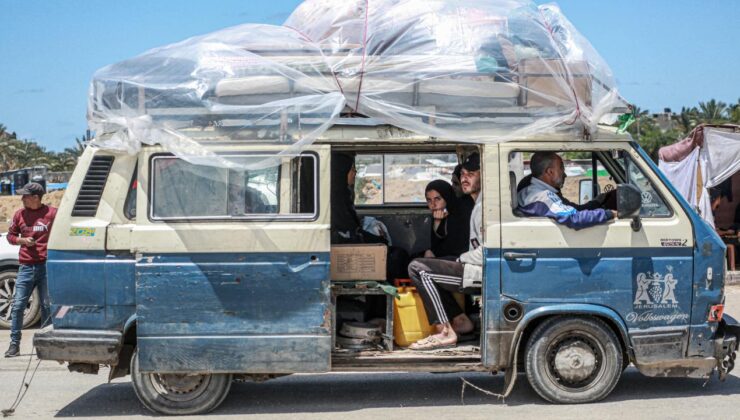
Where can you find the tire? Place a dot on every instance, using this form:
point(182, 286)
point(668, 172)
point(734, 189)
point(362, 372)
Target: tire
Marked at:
point(573, 360)
point(32, 314)
point(175, 394)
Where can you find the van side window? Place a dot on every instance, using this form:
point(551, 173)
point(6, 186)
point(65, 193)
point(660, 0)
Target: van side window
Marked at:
point(653, 204)
point(583, 169)
point(184, 191)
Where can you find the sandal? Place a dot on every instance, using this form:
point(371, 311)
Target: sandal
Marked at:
point(431, 343)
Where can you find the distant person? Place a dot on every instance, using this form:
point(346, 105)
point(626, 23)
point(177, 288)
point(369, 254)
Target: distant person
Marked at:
point(450, 228)
point(541, 198)
point(30, 229)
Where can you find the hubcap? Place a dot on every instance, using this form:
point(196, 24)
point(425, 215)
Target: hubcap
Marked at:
point(177, 387)
point(574, 360)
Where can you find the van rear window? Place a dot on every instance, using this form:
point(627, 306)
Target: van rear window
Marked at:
point(181, 190)
point(399, 178)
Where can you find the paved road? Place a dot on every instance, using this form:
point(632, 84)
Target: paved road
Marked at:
point(57, 393)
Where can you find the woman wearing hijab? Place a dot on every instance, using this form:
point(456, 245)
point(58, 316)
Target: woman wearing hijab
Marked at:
point(451, 221)
point(346, 227)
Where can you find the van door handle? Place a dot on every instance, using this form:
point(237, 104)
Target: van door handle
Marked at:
point(520, 255)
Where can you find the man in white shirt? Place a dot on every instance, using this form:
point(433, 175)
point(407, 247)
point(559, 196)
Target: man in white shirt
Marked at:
point(436, 279)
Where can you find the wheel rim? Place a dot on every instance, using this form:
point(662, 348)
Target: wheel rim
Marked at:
point(7, 292)
point(179, 388)
point(575, 360)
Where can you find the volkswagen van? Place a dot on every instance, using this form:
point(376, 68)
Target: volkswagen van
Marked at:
point(163, 270)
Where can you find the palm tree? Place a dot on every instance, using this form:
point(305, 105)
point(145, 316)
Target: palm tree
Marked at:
point(688, 119)
point(733, 113)
point(712, 112)
point(641, 116)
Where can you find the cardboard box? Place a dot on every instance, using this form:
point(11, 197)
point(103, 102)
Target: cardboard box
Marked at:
point(544, 90)
point(358, 262)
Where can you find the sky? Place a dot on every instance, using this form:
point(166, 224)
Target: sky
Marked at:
point(663, 53)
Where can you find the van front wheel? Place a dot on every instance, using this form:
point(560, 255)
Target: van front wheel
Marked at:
point(179, 394)
point(573, 360)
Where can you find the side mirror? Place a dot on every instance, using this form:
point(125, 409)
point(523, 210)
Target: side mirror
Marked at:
point(629, 201)
point(585, 191)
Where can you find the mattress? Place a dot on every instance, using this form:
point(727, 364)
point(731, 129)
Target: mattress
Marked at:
point(458, 85)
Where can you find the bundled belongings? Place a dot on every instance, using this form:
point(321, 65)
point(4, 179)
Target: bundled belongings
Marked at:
point(480, 70)
point(708, 157)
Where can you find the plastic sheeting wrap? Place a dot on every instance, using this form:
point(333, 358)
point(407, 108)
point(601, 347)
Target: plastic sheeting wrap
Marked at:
point(475, 70)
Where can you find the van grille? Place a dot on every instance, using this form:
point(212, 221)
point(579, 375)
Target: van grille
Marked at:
point(91, 191)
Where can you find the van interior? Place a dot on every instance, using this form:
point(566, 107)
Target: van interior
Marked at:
point(389, 186)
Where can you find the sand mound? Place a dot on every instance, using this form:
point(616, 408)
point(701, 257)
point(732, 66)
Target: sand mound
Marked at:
point(10, 204)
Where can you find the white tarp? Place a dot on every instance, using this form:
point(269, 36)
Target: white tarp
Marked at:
point(683, 174)
point(467, 70)
point(718, 158)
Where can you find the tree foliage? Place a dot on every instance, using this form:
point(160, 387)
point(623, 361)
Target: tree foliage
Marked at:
point(18, 153)
point(655, 131)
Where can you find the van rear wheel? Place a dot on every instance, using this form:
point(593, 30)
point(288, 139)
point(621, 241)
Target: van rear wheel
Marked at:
point(179, 394)
point(573, 360)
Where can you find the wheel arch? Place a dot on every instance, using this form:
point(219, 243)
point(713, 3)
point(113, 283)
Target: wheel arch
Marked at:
point(533, 318)
point(125, 353)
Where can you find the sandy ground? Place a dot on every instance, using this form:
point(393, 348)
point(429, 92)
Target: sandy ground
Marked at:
point(10, 204)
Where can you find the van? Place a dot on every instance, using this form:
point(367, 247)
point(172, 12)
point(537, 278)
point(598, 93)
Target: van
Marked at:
point(157, 269)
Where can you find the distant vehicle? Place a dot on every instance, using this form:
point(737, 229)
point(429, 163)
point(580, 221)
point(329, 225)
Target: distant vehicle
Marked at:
point(8, 272)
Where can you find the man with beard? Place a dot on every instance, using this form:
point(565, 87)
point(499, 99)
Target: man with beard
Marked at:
point(540, 196)
point(437, 279)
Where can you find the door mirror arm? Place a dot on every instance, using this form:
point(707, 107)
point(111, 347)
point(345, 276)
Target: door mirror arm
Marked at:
point(636, 223)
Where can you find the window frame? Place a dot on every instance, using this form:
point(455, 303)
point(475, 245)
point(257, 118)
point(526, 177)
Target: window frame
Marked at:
point(298, 217)
point(610, 164)
point(131, 195)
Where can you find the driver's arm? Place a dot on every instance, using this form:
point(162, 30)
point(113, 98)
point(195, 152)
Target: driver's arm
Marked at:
point(596, 203)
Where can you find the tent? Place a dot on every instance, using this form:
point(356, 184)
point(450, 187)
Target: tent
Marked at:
point(705, 159)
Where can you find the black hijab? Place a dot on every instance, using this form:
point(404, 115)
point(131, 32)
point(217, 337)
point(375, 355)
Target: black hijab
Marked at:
point(452, 236)
point(345, 224)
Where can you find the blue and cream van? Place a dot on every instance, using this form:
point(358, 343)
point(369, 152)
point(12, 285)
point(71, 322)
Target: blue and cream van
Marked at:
point(187, 277)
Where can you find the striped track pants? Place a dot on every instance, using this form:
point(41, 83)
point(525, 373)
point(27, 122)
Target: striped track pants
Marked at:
point(435, 280)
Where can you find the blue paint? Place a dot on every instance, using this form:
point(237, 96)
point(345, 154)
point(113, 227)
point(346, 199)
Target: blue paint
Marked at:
point(492, 305)
point(208, 297)
point(245, 354)
point(97, 289)
point(706, 238)
point(593, 276)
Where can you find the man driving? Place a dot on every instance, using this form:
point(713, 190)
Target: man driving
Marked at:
point(540, 196)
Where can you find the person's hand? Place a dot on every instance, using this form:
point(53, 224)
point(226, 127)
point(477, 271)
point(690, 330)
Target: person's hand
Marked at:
point(29, 242)
point(605, 196)
point(439, 214)
point(429, 254)
point(614, 214)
